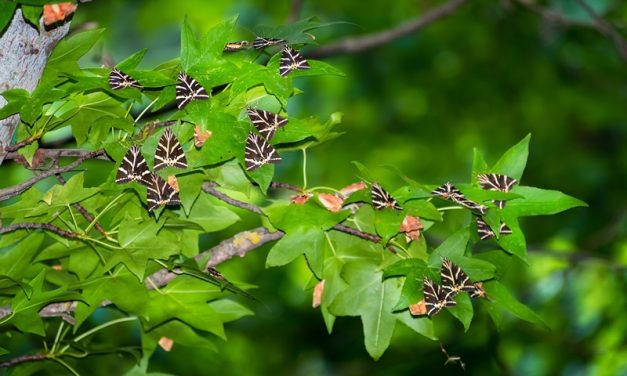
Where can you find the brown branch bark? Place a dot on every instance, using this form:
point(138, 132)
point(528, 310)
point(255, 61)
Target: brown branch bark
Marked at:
point(358, 44)
point(209, 187)
point(23, 359)
point(295, 9)
point(60, 153)
point(9, 192)
point(38, 226)
point(24, 52)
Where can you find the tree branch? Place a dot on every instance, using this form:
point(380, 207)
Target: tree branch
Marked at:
point(23, 359)
point(38, 226)
point(60, 153)
point(366, 42)
point(209, 188)
point(9, 192)
point(24, 52)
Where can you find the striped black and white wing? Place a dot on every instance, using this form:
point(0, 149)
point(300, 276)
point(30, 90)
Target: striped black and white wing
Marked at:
point(381, 199)
point(504, 229)
point(133, 168)
point(291, 60)
point(169, 152)
point(159, 193)
point(435, 297)
point(447, 191)
point(261, 42)
point(454, 280)
point(119, 80)
point(496, 182)
point(187, 90)
point(469, 204)
point(266, 122)
point(484, 231)
point(259, 152)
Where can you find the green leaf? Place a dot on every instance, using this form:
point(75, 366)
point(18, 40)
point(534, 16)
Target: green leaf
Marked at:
point(211, 214)
point(372, 299)
point(17, 259)
point(6, 13)
point(498, 295)
point(72, 191)
point(414, 271)
point(31, 14)
point(514, 243)
point(388, 222)
point(421, 325)
point(25, 309)
point(200, 52)
point(479, 165)
point(132, 61)
point(4, 351)
point(301, 240)
point(514, 160)
point(69, 50)
point(333, 285)
point(540, 202)
point(182, 335)
point(28, 291)
point(15, 98)
point(292, 217)
point(463, 310)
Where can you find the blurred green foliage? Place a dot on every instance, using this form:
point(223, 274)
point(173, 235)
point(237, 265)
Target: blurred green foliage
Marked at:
point(483, 77)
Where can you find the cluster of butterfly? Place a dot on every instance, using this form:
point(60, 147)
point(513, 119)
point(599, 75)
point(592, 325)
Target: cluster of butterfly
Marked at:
point(169, 153)
point(291, 59)
point(454, 281)
point(381, 199)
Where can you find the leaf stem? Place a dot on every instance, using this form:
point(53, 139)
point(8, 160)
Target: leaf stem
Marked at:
point(444, 208)
point(102, 326)
point(69, 207)
point(304, 169)
point(99, 215)
point(64, 364)
point(146, 109)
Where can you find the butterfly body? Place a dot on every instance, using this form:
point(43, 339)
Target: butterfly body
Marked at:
point(169, 152)
point(261, 42)
point(381, 199)
point(449, 192)
point(133, 168)
point(119, 80)
point(259, 152)
point(159, 193)
point(266, 122)
point(291, 60)
point(187, 90)
point(436, 298)
point(236, 46)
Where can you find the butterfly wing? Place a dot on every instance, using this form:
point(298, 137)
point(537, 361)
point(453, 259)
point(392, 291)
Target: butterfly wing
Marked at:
point(159, 192)
point(261, 42)
point(187, 90)
point(119, 80)
point(496, 182)
point(447, 191)
point(169, 152)
point(236, 46)
point(133, 168)
point(454, 280)
point(381, 199)
point(266, 122)
point(259, 152)
point(435, 297)
point(484, 231)
point(291, 60)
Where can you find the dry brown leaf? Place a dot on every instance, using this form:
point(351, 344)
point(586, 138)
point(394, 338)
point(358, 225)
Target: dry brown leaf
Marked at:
point(411, 226)
point(200, 136)
point(173, 182)
point(54, 13)
point(330, 201)
point(317, 294)
point(352, 188)
point(418, 309)
point(166, 343)
point(300, 198)
point(57, 267)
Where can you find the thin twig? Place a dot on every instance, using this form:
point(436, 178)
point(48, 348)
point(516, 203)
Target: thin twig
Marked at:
point(607, 29)
point(295, 9)
point(209, 188)
point(9, 192)
point(358, 233)
point(62, 153)
point(19, 145)
point(240, 245)
point(81, 209)
point(288, 186)
point(38, 226)
point(358, 44)
point(23, 359)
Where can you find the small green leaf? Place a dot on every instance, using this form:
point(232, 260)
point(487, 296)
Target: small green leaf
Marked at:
point(32, 14)
point(479, 165)
point(421, 325)
point(6, 13)
point(69, 50)
point(291, 217)
point(540, 202)
point(463, 310)
point(211, 214)
point(4, 351)
point(182, 335)
point(514, 160)
point(499, 295)
point(132, 61)
point(300, 241)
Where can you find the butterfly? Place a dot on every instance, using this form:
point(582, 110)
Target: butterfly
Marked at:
point(291, 60)
point(449, 192)
point(485, 232)
point(133, 168)
point(160, 193)
point(496, 182)
point(169, 152)
point(266, 122)
point(120, 80)
point(478, 291)
point(454, 280)
point(259, 152)
point(261, 42)
point(435, 297)
point(187, 90)
point(236, 46)
point(381, 199)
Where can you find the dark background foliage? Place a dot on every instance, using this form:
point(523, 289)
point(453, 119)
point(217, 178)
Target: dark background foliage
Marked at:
point(484, 77)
